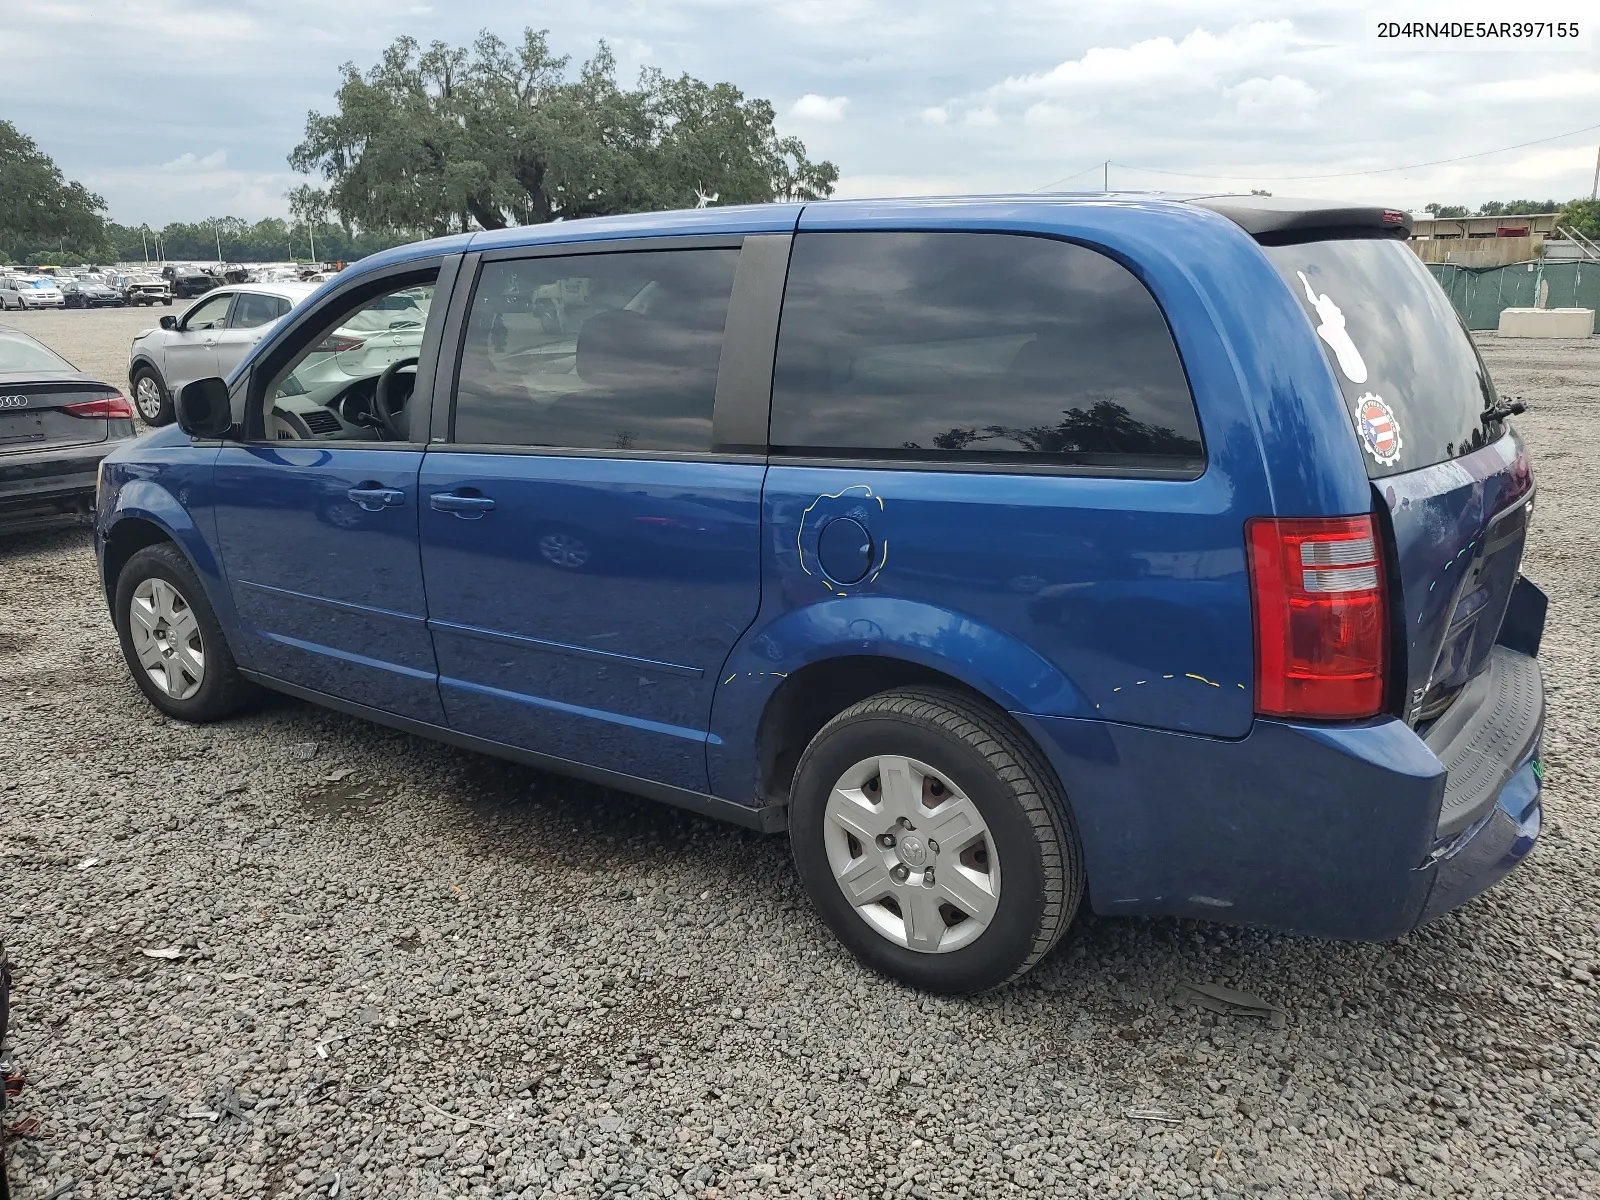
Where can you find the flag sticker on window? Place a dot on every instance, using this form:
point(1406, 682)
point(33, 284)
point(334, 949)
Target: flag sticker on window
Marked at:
point(1379, 428)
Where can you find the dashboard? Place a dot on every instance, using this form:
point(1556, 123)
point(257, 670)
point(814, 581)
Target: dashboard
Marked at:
point(348, 415)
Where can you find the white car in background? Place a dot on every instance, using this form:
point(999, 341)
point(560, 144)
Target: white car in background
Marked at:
point(30, 291)
point(210, 338)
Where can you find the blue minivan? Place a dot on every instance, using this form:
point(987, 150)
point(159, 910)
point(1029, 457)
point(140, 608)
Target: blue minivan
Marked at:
point(1005, 551)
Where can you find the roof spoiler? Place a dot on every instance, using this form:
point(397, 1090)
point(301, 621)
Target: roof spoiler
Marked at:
point(1274, 218)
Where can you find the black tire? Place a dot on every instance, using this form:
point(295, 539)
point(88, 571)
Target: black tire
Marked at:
point(979, 750)
point(223, 690)
point(164, 414)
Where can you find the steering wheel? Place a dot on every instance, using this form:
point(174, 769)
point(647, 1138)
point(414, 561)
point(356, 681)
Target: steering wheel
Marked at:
point(380, 399)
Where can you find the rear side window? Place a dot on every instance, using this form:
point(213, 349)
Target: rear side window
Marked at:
point(1411, 376)
point(978, 346)
point(254, 309)
point(595, 351)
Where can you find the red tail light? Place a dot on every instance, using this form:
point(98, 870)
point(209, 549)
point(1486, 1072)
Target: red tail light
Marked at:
point(339, 343)
point(109, 407)
point(1321, 617)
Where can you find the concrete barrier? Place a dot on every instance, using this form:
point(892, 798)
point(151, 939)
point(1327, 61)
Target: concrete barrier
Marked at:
point(1546, 322)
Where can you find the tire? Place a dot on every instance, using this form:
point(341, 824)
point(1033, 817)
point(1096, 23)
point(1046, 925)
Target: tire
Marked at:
point(1027, 862)
point(151, 399)
point(175, 599)
point(168, 302)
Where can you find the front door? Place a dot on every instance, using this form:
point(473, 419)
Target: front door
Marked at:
point(589, 560)
point(317, 522)
point(190, 350)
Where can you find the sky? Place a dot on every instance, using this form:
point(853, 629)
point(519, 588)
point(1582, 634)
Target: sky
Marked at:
point(185, 109)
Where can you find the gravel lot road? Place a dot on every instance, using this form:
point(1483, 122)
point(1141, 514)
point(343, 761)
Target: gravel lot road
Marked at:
point(392, 969)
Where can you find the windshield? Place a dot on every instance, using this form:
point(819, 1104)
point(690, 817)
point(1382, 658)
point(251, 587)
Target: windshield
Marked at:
point(19, 353)
point(39, 283)
point(1412, 378)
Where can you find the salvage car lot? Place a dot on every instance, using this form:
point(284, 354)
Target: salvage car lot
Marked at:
point(95, 340)
point(369, 947)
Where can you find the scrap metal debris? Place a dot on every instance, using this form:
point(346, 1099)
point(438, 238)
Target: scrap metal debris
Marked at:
point(1229, 1002)
point(1154, 1114)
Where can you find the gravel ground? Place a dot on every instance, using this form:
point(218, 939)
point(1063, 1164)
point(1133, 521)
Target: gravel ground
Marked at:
point(389, 968)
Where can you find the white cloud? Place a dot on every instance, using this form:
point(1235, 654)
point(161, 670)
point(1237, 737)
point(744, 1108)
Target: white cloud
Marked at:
point(982, 118)
point(189, 162)
point(1280, 98)
point(1195, 62)
point(936, 115)
point(812, 107)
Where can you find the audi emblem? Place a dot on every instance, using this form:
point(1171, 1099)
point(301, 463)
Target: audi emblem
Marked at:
point(15, 401)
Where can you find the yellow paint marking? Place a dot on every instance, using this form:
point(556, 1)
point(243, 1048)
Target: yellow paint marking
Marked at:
point(1201, 678)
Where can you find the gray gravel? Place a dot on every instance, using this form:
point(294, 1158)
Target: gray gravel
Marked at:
point(400, 970)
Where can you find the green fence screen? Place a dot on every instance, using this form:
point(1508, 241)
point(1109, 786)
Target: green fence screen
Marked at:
point(1480, 293)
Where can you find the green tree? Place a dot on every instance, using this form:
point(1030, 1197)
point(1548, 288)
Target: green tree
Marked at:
point(1581, 216)
point(39, 208)
point(1516, 208)
point(1446, 210)
point(449, 138)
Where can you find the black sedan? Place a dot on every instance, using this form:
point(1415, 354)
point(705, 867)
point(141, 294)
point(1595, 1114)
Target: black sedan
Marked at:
point(86, 293)
point(56, 424)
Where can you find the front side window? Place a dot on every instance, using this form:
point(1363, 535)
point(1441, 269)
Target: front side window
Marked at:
point(998, 347)
point(595, 351)
point(254, 309)
point(208, 314)
point(354, 377)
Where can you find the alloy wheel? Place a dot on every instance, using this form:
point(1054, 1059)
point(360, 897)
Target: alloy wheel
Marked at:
point(147, 396)
point(912, 854)
point(166, 638)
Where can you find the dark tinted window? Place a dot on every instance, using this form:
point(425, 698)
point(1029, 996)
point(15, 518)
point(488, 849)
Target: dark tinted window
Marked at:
point(596, 351)
point(19, 352)
point(986, 345)
point(1407, 366)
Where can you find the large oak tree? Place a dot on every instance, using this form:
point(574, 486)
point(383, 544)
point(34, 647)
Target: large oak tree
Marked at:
point(447, 138)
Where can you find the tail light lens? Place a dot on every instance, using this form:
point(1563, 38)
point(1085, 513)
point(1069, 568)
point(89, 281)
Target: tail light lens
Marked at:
point(108, 407)
point(1321, 617)
point(339, 343)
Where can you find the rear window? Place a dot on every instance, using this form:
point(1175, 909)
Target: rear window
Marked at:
point(978, 346)
point(18, 353)
point(1411, 376)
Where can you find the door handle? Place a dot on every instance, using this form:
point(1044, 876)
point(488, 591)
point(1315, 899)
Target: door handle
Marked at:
point(374, 496)
point(467, 507)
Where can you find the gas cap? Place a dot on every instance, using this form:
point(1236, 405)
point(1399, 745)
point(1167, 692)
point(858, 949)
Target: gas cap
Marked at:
point(844, 548)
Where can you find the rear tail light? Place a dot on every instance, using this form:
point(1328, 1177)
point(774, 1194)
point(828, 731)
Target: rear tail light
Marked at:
point(1321, 617)
point(109, 407)
point(338, 343)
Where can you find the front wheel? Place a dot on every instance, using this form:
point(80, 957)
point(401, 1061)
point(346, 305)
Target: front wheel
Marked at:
point(151, 398)
point(935, 841)
point(172, 641)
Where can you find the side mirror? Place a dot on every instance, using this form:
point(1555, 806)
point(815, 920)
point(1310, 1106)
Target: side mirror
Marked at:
point(204, 408)
point(169, 322)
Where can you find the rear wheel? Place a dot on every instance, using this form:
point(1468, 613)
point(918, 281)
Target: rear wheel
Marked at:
point(151, 398)
point(171, 639)
point(935, 841)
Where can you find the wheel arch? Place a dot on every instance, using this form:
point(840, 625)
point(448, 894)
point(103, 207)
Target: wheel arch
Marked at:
point(142, 360)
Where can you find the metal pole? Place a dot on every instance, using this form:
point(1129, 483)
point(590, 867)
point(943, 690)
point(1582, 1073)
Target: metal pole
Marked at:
point(1594, 188)
point(1105, 176)
point(217, 229)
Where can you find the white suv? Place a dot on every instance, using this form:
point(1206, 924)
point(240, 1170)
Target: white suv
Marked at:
point(210, 338)
point(29, 291)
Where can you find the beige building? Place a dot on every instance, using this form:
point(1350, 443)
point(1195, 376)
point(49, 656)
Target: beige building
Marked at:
point(1481, 241)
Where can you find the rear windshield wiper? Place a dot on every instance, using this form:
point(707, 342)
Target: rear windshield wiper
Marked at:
point(1499, 412)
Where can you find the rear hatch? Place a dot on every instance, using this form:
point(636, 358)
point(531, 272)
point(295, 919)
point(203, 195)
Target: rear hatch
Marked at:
point(50, 413)
point(1451, 475)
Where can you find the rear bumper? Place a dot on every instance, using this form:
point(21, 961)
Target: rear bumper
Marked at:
point(1331, 831)
point(47, 488)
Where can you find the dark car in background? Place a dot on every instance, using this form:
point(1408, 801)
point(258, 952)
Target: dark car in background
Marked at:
point(189, 282)
point(89, 293)
point(56, 424)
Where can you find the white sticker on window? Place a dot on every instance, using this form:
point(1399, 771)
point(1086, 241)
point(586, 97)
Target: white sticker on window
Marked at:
point(1333, 332)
